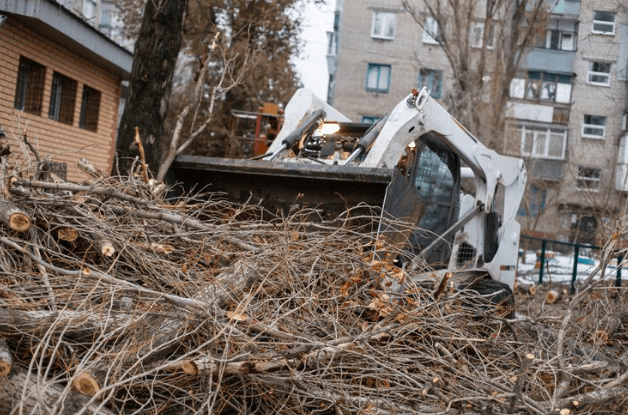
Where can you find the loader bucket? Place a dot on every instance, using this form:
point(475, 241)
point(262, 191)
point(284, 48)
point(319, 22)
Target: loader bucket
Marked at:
point(283, 188)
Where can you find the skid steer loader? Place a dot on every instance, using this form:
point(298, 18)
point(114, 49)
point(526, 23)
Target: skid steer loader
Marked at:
point(412, 164)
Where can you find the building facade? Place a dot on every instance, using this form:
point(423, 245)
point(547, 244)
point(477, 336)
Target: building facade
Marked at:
point(61, 83)
point(567, 105)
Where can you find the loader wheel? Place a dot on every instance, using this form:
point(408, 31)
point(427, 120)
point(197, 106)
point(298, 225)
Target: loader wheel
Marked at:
point(497, 293)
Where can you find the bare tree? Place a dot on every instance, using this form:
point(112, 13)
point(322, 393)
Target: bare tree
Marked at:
point(484, 42)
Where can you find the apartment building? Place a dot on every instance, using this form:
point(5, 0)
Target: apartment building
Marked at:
point(567, 105)
point(61, 83)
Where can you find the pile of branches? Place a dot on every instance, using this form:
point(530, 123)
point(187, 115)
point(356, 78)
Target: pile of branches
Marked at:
point(115, 299)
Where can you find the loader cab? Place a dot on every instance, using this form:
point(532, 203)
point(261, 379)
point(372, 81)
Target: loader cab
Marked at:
point(435, 174)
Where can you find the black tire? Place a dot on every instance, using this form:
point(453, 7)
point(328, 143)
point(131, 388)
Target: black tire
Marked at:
point(496, 293)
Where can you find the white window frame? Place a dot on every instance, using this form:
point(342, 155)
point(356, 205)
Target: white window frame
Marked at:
point(596, 73)
point(541, 137)
point(592, 126)
point(388, 21)
point(582, 177)
point(603, 23)
point(431, 31)
point(477, 41)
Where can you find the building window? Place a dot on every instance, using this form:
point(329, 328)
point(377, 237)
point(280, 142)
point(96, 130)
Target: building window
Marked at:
point(89, 9)
point(560, 115)
point(105, 24)
point(589, 179)
point(599, 73)
point(370, 119)
point(30, 86)
point(90, 107)
point(604, 23)
point(547, 87)
point(542, 142)
point(378, 78)
point(431, 31)
point(383, 25)
point(433, 80)
point(558, 40)
point(477, 35)
point(62, 98)
point(536, 202)
point(594, 126)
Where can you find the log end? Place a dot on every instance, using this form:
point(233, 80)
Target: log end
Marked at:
point(107, 249)
point(19, 222)
point(86, 384)
point(553, 296)
point(5, 368)
point(67, 234)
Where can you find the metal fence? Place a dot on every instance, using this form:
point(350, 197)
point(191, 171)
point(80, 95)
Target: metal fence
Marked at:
point(582, 255)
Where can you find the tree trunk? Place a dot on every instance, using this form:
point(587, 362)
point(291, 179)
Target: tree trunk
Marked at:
point(156, 52)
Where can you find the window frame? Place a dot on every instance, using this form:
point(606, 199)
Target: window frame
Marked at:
point(385, 24)
point(378, 67)
point(595, 21)
point(490, 39)
point(537, 199)
point(29, 88)
point(591, 125)
point(591, 72)
point(90, 109)
point(545, 86)
point(431, 74)
point(62, 98)
point(581, 177)
point(534, 152)
point(431, 26)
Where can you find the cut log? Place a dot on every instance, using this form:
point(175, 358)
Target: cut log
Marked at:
point(106, 248)
point(6, 359)
point(14, 217)
point(67, 234)
point(607, 329)
point(40, 396)
point(90, 382)
point(553, 296)
point(526, 287)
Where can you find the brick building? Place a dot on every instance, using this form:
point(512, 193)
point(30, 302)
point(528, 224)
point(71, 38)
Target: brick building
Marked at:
point(61, 80)
point(567, 105)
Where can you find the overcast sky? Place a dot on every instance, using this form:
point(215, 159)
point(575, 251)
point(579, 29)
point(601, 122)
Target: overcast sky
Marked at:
point(312, 66)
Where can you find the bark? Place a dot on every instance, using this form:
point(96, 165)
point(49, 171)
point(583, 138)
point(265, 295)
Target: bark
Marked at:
point(156, 52)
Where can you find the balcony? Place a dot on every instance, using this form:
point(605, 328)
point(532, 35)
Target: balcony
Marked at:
point(550, 60)
point(546, 169)
point(567, 7)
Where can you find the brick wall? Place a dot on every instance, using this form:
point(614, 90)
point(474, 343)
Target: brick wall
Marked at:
point(59, 141)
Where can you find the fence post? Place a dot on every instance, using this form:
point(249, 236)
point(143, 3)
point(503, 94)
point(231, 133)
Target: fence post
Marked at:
point(620, 259)
point(574, 273)
point(542, 262)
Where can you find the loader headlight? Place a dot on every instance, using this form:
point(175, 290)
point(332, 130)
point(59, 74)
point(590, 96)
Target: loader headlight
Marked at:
point(328, 128)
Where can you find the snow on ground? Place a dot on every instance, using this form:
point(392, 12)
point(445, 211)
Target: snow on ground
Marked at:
point(559, 268)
